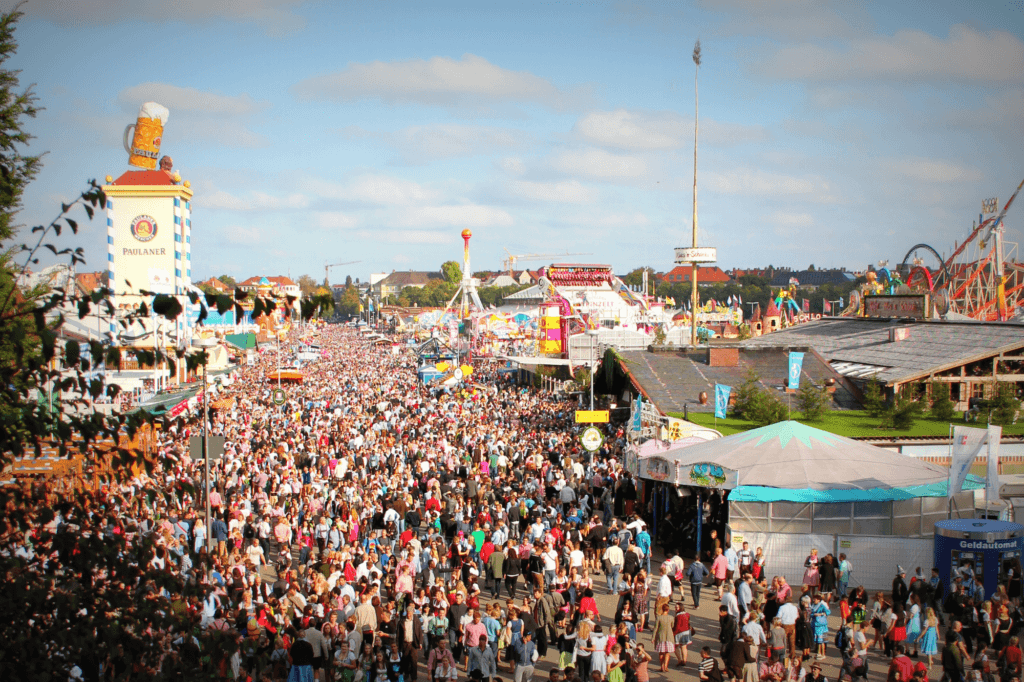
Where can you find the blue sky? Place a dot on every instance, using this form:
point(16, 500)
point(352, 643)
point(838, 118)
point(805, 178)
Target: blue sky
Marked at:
point(831, 133)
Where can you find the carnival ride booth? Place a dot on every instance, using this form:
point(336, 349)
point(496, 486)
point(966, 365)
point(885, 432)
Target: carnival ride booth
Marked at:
point(788, 488)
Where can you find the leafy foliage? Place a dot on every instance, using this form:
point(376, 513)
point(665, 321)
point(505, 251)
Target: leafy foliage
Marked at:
point(901, 412)
point(814, 401)
point(1004, 404)
point(942, 407)
point(452, 272)
point(753, 403)
point(874, 401)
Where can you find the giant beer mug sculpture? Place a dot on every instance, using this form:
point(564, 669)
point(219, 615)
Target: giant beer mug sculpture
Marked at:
point(144, 147)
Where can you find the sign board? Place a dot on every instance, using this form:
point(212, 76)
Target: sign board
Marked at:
point(279, 396)
point(592, 416)
point(657, 468)
point(708, 475)
point(911, 306)
point(845, 544)
point(591, 439)
point(697, 254)
point(195, 447)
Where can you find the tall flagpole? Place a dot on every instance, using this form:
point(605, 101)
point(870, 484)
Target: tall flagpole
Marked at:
point(693, 266)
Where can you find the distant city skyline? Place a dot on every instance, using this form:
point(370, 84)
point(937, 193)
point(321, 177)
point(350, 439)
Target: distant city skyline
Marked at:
point(832, 133)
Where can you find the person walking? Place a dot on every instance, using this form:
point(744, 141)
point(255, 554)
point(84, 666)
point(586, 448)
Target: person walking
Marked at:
point(696, 572)
point(663, 637)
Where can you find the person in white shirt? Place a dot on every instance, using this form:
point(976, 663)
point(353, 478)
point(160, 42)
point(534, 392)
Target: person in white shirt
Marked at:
point(664, 588)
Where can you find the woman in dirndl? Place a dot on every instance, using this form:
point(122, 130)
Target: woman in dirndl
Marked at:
point(664, 638)
point(811, 571)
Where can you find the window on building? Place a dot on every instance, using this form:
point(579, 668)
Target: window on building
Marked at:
point(977, 389)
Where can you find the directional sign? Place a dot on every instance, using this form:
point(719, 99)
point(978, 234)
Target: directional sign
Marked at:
point(591, 416)
point(195, 447)
point(279, 396)
point(591, 439)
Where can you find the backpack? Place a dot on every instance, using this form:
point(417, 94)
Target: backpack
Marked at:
point(842, 640)
point(715, 674)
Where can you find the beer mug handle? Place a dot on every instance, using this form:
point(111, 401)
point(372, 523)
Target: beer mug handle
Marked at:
point(127, 145)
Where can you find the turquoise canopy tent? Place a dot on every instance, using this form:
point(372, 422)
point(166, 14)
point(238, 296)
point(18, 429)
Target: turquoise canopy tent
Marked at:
point(792, 462)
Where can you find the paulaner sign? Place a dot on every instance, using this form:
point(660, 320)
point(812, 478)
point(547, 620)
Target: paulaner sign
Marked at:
point(143, 252)
point(913, 306)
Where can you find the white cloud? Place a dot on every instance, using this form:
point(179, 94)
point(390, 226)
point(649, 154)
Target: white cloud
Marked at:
point(637, 219)
point(177, 99)
point(461, 215)
point(418, 144)
point(512, 165)
point(935, 170)
point(254, 201)
point(755, 183)
point(598, 163)
point(791, 219)
point(406, 237)
point(567, 191)
point(967, 55)
point(789, 225)
point(657, 130)
point(334, 220)
point(381, 190)
point(442, 81)
point(792, 19)
point(275, 17)
point(199, 115)
point(239, 234)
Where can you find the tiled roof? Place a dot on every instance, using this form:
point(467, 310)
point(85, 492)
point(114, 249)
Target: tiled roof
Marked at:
point(931, 346)
point(91, 281)
point(405, 278)
point(144, 177)
point(709, 274)
point(671, 380)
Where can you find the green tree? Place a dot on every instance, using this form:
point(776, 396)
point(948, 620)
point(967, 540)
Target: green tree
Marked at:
point(348, 304)
point(635, 278)
point(228, 280)
point(15, 106)
point(874, 401)
point(901, 412)
point(943, 408)
point(814, 401)
point(307, 285)
point(1004, 404)
point(452, 272)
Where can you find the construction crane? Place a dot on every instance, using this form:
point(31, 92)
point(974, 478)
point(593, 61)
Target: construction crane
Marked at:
point(327, 267)
point(511, 260)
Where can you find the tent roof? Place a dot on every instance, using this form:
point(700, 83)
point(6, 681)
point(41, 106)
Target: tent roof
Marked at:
point(791, 455)
point(241, 341)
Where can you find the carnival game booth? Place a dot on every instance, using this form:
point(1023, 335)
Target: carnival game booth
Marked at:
point(790, 488)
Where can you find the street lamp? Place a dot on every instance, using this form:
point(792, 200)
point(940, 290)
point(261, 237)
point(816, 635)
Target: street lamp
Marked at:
point(205, 345)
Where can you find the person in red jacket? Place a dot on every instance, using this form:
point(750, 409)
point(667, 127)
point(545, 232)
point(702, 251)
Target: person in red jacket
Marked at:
point(682, 634)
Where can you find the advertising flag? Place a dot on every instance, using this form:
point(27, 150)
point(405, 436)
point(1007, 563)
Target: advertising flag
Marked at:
point(806, 305)
point(721, 400)
point(796, 362)
point(841, 302)
point(826, 306)
point(638, 407)
point(995, 434)
point(966, 445)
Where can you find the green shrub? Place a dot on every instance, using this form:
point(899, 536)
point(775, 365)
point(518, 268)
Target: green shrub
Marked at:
point(943, 408)
point(814, 401)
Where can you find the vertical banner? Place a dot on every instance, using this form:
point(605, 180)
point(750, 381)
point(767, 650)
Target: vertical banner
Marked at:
point(721, 400)
point(826, 307)
point(806, 304)
point(796, 363)
point(995, 434)
point(638, 407)
point(966, 445)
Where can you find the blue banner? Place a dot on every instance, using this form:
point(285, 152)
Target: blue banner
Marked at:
point(722, 400)
point(636, 413)
point(796, 362)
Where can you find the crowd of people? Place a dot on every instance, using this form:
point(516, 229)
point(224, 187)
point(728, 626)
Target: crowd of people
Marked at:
point(373, 528)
